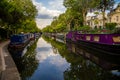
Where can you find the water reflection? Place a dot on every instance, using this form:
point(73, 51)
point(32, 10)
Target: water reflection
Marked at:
point(85, 69)
point(24, 59)
point(29, 62)
point(97, 56)
point(48, 59)
point(44, 51)
point(88, 66)
point(51, 64)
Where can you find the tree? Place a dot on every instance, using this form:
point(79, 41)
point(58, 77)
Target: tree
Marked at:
point(15, 13)
point(105, 5)
point(73, 19)
point(111, 26)
point(82, 6)
point(5, 15)
point(96, 20)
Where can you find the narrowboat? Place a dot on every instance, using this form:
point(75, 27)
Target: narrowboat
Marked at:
point(37, 35)
point(32, 36)
point(107, 42)
point(19, 41)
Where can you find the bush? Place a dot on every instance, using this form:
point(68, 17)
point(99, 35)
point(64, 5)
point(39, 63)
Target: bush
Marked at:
point(111, 26)
point(84, 28)
point(117, 31)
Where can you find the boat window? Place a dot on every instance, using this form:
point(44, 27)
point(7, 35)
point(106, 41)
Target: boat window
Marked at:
point(96, 38)
point(116, 38)
point(88, 38)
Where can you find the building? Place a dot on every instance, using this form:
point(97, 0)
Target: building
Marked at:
point(114, 16)
point(96, 20)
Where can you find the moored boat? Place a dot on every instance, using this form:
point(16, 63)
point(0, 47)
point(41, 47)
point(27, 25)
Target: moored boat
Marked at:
point(108, 42)
point(19, 41)
point(32, 36)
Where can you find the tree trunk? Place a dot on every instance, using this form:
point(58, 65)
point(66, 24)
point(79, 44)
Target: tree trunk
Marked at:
point(103, 12)
point(8, 32)
point(68, 26)
point(84, 18)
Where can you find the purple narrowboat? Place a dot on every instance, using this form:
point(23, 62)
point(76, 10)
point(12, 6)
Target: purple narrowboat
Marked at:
point(108, 42)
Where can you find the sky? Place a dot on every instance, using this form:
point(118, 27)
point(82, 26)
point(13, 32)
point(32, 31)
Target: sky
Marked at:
point(47, 9)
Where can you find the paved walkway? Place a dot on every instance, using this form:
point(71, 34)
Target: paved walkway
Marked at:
point(8, 70)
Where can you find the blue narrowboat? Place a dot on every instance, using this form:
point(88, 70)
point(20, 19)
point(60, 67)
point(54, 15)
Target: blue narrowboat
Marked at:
point(19, 41)
point(107, 42)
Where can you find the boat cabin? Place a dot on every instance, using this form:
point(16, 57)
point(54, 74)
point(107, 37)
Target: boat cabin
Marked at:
point(109, 39)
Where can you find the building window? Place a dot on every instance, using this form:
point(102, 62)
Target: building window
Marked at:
point(117, 18)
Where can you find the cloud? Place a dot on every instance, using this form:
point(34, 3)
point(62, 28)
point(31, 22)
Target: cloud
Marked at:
point(47, 10)
point(41, 23)
point(44, 50)
point(57, 4)
point(44, 12)
point(44, 16)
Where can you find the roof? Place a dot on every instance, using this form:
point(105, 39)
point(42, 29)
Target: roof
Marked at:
point(114, 10)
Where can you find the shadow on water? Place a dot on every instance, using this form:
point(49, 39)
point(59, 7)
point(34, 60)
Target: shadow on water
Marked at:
point(87, 63)
point(25, 59)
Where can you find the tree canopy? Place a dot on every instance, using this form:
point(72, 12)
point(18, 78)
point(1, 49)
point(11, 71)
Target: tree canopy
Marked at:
point(105, 5)
point(81, 6)
point(18, 15)
point(75, 16)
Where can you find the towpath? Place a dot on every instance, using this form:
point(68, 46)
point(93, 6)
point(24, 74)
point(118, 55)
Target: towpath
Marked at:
point(8, 70)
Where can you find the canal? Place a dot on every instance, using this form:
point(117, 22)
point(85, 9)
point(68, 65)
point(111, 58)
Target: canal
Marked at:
point(49, 59)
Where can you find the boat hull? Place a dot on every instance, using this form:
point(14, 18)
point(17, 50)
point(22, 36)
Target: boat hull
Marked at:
point(18, 46)
point(111, 49)
point(108, 49)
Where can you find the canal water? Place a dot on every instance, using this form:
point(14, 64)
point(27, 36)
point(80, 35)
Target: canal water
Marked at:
point(50, 59)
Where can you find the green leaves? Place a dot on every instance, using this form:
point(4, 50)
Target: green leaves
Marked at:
point(105, 5)
point(19, 15)
point(81, 6)
point(111, 26)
